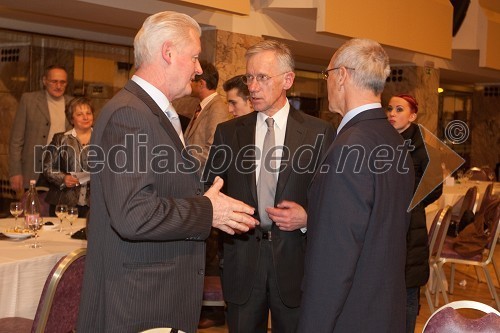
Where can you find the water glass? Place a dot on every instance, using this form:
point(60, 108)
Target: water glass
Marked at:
point(35, 223)
point(16, 209)
point(71, 216)
point(61, 212)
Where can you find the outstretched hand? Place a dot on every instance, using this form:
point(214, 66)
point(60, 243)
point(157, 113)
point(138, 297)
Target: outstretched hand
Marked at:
point(229, 215)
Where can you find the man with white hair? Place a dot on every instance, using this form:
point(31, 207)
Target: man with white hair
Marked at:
point(149, 218)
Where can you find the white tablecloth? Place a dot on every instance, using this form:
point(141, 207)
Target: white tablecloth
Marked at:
point(23, 270)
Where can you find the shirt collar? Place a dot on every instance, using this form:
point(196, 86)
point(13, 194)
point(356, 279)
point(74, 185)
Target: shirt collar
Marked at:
point(354, 112)
point(207, 100)
point(157, 96)
point(280, 117)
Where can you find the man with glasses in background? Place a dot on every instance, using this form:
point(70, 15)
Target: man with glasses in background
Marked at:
point(40, 115)
point(267, 159)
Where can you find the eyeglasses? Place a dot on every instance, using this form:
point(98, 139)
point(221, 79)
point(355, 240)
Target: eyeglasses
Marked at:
point(55, 82)
point(261, 78)
point(325, 73)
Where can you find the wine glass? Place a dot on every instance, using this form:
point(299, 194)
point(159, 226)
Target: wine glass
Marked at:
point(71, 216)
point(61, 211)
point(491, 175)
point(35, 223)
point(16, 209)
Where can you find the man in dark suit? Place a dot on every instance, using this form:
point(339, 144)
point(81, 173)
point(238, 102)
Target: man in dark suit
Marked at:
point(145, 259)
point(263, 268)
point(354, 277)
point(40, 115)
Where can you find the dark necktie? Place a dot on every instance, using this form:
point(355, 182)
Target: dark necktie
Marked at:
point(266, 186)
point(191, 123)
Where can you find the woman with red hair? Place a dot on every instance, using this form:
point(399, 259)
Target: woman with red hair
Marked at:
point(401, 113)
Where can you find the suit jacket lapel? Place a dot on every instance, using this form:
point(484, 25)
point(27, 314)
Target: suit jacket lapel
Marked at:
point(294, 137)
point(245, 132)
point(135, 89)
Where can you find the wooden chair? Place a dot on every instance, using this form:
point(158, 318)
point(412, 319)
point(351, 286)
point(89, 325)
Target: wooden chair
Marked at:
point(58, 306)
point(447, 319)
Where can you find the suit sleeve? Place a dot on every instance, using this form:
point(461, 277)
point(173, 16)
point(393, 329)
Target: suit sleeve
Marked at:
point(16, 143)
point(136, 209)
point(52, 162)
point(218, 160)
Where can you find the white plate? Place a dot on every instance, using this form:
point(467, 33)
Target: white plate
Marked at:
point(17, 235)
point(51, 227)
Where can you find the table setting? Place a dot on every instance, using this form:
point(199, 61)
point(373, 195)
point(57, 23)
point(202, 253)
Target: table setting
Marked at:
point(26, 260)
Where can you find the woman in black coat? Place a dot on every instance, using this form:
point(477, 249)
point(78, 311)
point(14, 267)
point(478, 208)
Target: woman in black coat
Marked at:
point(402, 112)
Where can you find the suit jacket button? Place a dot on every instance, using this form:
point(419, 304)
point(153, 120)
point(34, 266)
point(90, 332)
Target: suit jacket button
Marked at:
point(201, 272)
point(198, 191)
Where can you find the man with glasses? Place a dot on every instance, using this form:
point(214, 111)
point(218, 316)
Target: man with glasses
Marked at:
point(354, 277)
point(40, 115)
point(267, 159)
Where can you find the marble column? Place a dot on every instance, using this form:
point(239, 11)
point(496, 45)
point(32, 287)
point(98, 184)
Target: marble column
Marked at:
point(485, 127)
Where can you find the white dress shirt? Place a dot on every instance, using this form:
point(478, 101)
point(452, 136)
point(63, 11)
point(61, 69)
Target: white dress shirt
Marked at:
point(160, 99)
point(280, 120)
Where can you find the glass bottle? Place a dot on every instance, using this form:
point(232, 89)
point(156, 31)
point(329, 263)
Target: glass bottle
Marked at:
point(31, 205)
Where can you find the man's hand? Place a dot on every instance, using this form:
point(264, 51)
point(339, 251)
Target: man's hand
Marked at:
point(16, 183)
point(70, 181)
point(230, 215)
point(288, 215)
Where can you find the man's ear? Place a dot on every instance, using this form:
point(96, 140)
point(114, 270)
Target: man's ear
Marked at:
point(166, 51)
point(289, 78)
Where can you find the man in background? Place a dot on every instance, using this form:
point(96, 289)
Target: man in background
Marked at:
point(210, 112)
point(238, 96)
point(145, 263)
point(354, 277)
point(40, 115)
point(267, 159)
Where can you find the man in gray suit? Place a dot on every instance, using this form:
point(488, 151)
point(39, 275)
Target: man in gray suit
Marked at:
point(263, 268)
point(354, 277)
point(149, 217)
point(40, 115)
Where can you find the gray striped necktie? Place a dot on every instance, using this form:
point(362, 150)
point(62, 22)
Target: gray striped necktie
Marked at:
point(176, 122)
point(266, 186)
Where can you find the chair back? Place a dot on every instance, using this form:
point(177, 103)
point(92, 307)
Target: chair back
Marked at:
point(492, 216)
point(447, 319)
point(438, 231)
point(58, 307)
point(487, 197)
point(468, 202)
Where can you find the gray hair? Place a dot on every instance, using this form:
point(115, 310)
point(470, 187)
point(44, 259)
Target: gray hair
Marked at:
point(159, 27)
point(369, 60)
point(283, 53)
